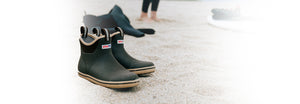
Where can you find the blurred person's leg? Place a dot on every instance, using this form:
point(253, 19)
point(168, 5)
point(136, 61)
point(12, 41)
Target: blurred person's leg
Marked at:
point(154, 5)
point(154, 10)
point(145, 7)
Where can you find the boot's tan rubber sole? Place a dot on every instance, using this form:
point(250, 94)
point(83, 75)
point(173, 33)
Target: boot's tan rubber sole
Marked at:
point(143, 70)
point(110, 84)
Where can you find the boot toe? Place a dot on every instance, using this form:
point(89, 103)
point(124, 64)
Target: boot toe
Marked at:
point(124, 76)
point(141, 64)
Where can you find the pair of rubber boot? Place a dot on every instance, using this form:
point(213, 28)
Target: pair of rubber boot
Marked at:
point(105, 62)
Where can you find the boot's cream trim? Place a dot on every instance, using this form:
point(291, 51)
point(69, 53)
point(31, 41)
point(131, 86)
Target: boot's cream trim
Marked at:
point(115, 33)
point(143, 70)
point(149, 67)
point(110, 84)
point(95, 38)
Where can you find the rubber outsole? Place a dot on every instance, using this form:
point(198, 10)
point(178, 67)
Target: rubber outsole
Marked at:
point(110, 84)
point(143, 70)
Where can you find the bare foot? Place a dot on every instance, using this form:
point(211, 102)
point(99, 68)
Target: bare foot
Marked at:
point(144, 17)
point(154, 17)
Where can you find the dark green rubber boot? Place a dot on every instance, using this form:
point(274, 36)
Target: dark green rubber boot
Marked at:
point(130, 63)
point(97, 63)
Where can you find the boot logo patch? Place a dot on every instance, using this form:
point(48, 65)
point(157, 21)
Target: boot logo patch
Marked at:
point(106, 46)
point(120, 41)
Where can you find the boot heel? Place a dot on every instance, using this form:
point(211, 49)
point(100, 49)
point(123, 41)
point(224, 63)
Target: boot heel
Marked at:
point(86, 79)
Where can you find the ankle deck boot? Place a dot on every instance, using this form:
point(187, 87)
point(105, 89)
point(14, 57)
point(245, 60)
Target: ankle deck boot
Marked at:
point(130, 63)
point(97, 63)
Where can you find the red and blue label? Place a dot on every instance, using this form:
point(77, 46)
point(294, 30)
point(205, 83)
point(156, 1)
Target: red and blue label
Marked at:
point(106, 46)
point(120, 41)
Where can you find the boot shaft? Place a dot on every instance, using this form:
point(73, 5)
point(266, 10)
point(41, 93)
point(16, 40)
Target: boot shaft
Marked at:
point(97, 44)
point(94, 47)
